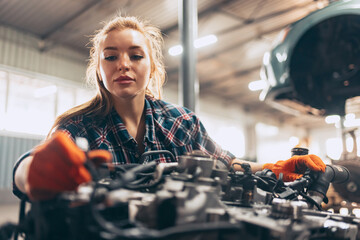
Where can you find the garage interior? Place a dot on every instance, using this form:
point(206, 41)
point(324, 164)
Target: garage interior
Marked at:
point(44, 50)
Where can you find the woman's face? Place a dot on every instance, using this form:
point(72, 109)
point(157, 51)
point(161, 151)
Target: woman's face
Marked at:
point(124, 63)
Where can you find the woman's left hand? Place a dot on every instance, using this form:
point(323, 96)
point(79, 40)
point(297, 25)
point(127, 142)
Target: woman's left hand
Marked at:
point(295, 167)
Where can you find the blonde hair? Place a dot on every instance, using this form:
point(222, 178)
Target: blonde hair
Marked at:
point(101, 104)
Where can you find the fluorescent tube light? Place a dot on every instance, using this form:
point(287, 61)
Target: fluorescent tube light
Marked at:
point(257, 85)
point(198, 43)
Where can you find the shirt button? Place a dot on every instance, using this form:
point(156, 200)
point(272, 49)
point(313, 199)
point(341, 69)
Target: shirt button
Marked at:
point(136, 155)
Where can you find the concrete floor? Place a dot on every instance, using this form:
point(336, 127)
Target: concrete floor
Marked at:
point(9, 205)
point(9, 208)
point(9, 212)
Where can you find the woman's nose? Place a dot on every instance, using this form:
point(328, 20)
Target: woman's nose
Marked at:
point(124, 63)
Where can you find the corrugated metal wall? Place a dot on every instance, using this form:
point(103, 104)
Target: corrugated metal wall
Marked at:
point(11, 148)
point(22, 50)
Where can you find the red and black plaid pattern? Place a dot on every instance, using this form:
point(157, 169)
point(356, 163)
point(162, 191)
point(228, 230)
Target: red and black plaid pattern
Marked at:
point(168, 127)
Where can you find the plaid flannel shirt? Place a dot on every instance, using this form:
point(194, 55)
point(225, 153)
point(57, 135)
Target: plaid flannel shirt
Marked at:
point(168, 127)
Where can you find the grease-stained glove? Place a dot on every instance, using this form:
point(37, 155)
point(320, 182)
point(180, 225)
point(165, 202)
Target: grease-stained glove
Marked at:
point(295, 167)
point(58, 166)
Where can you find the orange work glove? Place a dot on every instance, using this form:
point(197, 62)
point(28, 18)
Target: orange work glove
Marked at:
point(58, 166)
point(295, 167)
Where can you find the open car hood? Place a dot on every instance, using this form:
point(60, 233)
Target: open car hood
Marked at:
point(314, 65)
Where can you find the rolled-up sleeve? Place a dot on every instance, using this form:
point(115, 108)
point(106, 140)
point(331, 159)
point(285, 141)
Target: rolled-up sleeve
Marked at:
point(16, 190)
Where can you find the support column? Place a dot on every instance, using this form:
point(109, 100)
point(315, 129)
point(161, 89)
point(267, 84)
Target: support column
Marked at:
point(188, 82)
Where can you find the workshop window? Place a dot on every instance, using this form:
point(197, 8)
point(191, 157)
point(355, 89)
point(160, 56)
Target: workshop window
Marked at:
point(65, 99)
point(30, 105)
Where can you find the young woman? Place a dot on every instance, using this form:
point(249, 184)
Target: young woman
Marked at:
point(126, 117)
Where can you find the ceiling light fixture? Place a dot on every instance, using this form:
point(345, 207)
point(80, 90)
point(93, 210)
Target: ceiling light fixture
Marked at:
point(205, 41)
point(332, 119)
point(198, 43)
point(176, 50)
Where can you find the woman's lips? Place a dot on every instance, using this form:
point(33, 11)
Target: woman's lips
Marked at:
point(124, 80)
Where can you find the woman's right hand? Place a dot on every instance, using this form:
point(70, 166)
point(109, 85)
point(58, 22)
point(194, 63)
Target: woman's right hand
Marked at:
point(56, 166)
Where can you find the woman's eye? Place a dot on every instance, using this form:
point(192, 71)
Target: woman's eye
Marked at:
point(136, 57)
point(110, 58)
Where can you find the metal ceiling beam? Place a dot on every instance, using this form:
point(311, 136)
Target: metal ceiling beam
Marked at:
point(201, 14)
point(61, 25)
point(260, 19)
point(235, 45)
point(205, 86)
point(255, 21)
point(211, 83)
point(45, 44)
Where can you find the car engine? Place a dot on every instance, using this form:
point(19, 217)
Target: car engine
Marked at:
point(190, 199)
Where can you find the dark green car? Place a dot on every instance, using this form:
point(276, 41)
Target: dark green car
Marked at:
point(314, 66)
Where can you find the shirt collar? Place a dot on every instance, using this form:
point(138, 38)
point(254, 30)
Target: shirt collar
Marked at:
point(119, 127)
point(121, 130)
